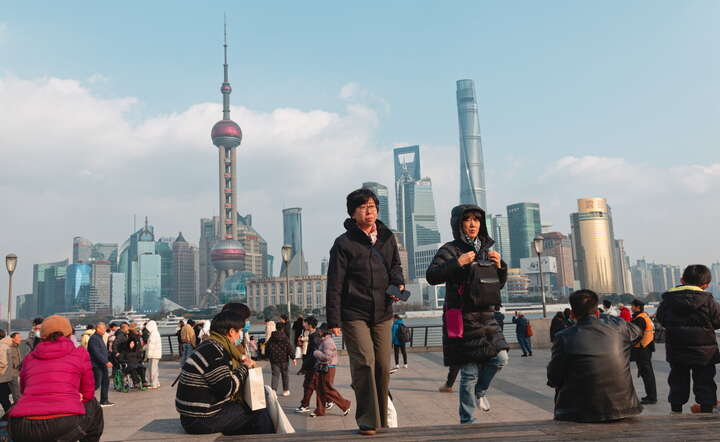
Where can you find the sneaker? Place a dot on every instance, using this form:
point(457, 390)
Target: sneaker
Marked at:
point(106, 404)
point(405, 366)
point(286, 393)
point(345, 413)
point(483, 403)
point(396, 366)
point(445, 389)
point(302, 409)
point(523, 355)
point(313, 414)
point(329, 405)
point(393, 370)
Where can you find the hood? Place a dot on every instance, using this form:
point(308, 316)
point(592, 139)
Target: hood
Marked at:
point(278, 334)
point(685, 301)
point(456, 217)
point(151, 326)
point(382, 230)
point(54, 350)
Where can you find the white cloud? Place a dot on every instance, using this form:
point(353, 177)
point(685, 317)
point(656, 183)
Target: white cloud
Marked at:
point(97, 78)
point(354, 92)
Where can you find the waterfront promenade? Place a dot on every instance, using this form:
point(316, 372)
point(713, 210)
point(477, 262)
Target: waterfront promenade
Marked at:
point(518, 396)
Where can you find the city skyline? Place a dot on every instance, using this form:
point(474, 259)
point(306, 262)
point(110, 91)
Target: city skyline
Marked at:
point(610, 141)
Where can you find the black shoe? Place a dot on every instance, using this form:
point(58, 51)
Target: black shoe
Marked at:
point(647, 401)
point(523, 355)
point(530, 354)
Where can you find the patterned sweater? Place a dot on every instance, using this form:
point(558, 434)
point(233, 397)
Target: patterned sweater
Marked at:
point(207, 381)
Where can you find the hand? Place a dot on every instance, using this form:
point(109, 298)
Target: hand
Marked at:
point(109, 365)
point(336, 331)
point(401, 287)
point(248, 362)
point(294, 362)
point(494, 256)
point(466, 258)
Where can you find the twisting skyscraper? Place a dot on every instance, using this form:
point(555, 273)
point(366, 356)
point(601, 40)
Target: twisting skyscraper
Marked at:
point(472, 169)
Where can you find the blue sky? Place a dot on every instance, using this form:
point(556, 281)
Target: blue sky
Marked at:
point(632, 84)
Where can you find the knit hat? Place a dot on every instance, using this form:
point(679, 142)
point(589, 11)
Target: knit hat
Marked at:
point(55, 323)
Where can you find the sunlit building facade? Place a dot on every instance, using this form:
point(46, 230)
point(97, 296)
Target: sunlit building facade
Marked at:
point(523, 225)
point(472, 169)
point(593, 246)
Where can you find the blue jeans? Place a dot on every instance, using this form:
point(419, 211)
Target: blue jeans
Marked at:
point(525, 344)
point(187, 350)
point(475, 380)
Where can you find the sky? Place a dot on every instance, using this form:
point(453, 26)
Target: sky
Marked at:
point(106, 110)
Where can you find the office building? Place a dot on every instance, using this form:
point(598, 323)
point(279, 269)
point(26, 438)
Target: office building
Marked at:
point(381, 192)
point(184, 273)
point(117, 292)
point(100, 287)
point(559, 246)
point(77, 287)
point(420, 221)
point(531, 268)
point(472, 169)
point(407, 170)
point(498, 229)
point(424, 255)
point(623, 277)
point(715, 282)
point(292, 235)
point(324, 266)
point(49, 287)
point(82, 250)
point(255, 247)
point(517, 284)
point(164, 248)
point(594, 246)
point(105, 252)
point(208, 237)
point(307, 292)
point(523, 225)
point(25, 306)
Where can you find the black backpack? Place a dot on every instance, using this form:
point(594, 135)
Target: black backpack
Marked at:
point(404, 334)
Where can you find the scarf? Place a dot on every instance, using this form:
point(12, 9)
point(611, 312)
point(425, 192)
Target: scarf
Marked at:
point(236, 355)
point(474, 242)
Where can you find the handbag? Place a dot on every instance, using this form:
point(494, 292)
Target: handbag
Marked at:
point(529, 332)
point(454, 322)
point(277, 415)
point(392, 420)
point(254, 389)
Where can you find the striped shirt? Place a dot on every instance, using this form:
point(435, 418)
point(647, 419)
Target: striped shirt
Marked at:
point(207, 381)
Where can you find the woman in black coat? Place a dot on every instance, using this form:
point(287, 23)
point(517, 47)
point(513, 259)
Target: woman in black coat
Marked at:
point(473, 276)
point(557, 324)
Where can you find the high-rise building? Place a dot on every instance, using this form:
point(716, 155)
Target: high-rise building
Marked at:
point(77, 287)
point(594, 246)
point(82, 250)
point(142, 267)
point(129, 253)
point(105, 252)
point(517, 283)
point(255, 247)
point(381, 192)
point(292, 235)
point(164, 248)
point(117, 292)
point(100, 287)
point(641, 278)
point(25, 306)
point(499, 231)
point(206, 271)
point(402, 251)
point(49, 287)
point(559, 246)
point(184, 273)
point(472, 169)
point(420, 221)
point(623, 278)
point(523, 225)
point(423, 257)
point(715, 282)
point(531, 268)
point(324, 266)
point(407, 170)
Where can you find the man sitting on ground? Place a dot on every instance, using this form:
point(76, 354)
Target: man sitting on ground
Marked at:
point(590, 365)
point(209, 394)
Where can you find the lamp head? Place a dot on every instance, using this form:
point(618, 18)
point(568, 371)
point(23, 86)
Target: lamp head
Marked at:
point(11, 262)
point(538, 245)
point(286, 252)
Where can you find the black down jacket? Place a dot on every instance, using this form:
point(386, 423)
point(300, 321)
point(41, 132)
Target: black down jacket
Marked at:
point(590, 370)
point(359, 273)
point(482, 335)
point(690, 317)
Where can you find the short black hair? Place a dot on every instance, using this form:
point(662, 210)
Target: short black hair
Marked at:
point(396, 316)
point(607, 303)
point(237, 307)
point(358, 197)
point(13, 334)
point(90, 327)
point(37, 321)
point(583, 302)
point(224, 321)
point(311, 320)
point(284, 317)
point(3, 333)
point(696, 274)
point(639, 304)
point(191, 323)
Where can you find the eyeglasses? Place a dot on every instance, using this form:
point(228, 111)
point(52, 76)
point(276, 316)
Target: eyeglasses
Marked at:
point(368, 208)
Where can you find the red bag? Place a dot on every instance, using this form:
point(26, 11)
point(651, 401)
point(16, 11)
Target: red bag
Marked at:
point(454, 322)
point(529, 332)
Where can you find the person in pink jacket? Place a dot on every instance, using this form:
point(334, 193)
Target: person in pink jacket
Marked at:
point(58, 400)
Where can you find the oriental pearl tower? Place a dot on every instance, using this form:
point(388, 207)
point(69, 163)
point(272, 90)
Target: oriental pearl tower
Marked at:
point(228, 254)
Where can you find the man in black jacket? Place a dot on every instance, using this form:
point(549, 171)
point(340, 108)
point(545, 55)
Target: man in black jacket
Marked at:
point(690, 316)
point(364, 262)
point(100, 362)
point(590, 365)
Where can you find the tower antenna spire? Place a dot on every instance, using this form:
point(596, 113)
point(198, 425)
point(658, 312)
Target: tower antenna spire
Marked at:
point(225, 89)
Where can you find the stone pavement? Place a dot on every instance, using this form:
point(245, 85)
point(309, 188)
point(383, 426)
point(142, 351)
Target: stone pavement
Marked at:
point(518, 393)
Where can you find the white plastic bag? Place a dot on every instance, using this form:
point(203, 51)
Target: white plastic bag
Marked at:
point(392, 420)
point(298, 353)
point(254, 389)
point(280, 421)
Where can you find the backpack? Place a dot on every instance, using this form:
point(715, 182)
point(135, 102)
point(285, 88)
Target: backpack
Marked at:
point(404, 334)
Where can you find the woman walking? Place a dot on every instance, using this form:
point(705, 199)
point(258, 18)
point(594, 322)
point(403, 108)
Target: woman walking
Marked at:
point(398, 342)
point(473, 275)
point(364, 263)
point(279, 352)
point(326, 356)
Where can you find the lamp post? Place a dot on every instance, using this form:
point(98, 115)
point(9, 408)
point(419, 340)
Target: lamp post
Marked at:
point(10, 263)
point(286, 252)
point(539, 248)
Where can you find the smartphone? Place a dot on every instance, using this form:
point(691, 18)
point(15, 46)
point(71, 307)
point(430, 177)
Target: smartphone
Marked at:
point(395, 291)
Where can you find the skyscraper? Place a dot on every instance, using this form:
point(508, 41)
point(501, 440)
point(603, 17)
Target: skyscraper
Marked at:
point(184, 273)
point(382, 193)
point(524, 225)
point(559, 246)
point(208, 238)
point(292, 235)
point(593, 246)
point(49, 287)
point(623, 278)
point(715, 281)
point(472, 170)
point(407, 170)
point(164, 248)
point(82, 250)
point(255, 247)
point(105, 252)
point(77, 287)
point(420, 221)
point(500, 232)
point(100, 287)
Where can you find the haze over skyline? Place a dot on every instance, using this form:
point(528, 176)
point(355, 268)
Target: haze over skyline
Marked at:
point(107, 113)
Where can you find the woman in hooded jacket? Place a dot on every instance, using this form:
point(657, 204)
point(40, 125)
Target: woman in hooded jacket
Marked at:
point(153, 353)
point(473, 275)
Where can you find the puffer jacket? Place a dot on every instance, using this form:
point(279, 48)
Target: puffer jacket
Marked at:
point(309, 359)
point(56, 378)
point(278, 348)
point(590, 370)
point(327, 351)
point(690, 317)
point(359, 274)
point(85, 338)
point(9, 360)
point(482, 337)
point(153, 349)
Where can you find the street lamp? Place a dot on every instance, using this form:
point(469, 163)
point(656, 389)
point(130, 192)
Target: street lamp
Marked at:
point(10, 264)
point(286, 253)
point(539, 248)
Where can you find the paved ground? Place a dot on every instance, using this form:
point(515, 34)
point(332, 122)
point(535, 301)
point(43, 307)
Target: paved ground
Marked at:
point(517, 394)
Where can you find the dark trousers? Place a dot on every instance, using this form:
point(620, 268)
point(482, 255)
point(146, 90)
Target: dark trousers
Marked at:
point(309, 386)
point(327, 393)
point(5, 396)
point(452, 375)
point(102, 381)
point(704, 385)
point(525, 344)
point(397, 349)
point(234, 418)
point(645, 371)
point(280, 370)
point(85, 428)
point(369, 347)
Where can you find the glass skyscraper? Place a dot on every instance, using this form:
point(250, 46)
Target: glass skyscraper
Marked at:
point(407, 170)
point(382, 193)
point(49, 287)
point(420, 221)
point(472, 169)
point(292, 235)
point(523, 226)
point(77, 287)
point(501, 234)
point(593, 246)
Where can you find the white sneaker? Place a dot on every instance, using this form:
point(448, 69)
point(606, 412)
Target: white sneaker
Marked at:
point(405, 366)
point(484, 403)
point(286, 393)
point(329, 405)
point(396, 366)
